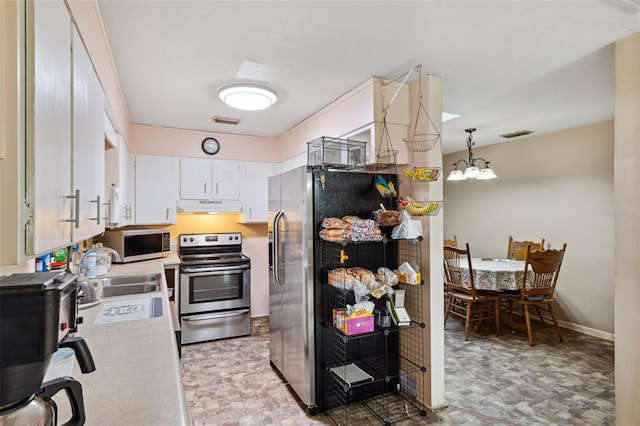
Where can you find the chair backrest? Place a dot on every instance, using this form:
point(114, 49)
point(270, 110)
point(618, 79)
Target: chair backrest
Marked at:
point(517, 250)
point(453, 261)
point(545, 265)
point(451, 243)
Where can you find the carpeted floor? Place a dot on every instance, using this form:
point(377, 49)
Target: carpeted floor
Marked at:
point(489, 380)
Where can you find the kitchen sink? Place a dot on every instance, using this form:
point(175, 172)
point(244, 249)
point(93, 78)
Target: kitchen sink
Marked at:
point(130, 284)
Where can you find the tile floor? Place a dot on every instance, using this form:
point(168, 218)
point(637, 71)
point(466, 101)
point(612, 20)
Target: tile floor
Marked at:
point(489, 380)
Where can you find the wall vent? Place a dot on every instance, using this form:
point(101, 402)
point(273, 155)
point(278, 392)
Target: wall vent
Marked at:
point(226, 120)
point(516, 134)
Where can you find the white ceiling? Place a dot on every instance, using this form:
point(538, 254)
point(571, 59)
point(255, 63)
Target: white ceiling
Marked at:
point(506, 65)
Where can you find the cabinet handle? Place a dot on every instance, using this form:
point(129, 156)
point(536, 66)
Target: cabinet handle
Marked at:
point(167, 213)
point(76, 219)
point(205, 188)
point(216, 188)
point(250, 213)
point(98, 209)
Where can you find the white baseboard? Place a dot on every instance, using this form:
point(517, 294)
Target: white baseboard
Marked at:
point(578, 328)
point(587, 330)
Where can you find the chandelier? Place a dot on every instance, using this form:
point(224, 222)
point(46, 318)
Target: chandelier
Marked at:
point(471, 171)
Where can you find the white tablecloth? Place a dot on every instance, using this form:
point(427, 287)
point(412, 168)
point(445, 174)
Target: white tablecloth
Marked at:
point(495, 274)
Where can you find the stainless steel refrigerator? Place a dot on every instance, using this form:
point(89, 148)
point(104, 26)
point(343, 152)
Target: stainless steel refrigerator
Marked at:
point(298, 201)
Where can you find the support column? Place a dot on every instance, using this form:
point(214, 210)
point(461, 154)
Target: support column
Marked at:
point(432, 226)
point(627, 229)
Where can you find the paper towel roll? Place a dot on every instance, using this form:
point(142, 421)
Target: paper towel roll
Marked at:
point(114, 205)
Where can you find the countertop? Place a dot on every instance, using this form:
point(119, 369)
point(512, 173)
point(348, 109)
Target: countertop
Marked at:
point(138, 379)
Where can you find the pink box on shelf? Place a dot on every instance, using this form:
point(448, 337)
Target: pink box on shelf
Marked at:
point(351, 326)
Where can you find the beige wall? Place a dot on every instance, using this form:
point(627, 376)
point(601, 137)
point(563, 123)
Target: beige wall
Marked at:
point(559, 187)
point(627, 230)
point(187, 143)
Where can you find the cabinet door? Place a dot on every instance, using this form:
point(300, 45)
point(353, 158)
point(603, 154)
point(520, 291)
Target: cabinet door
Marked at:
point(125, 216)
point(48, 122)
point(88, 143)
point(195, 179)
point(157, 186)
point(255, 194)
point(227, 180)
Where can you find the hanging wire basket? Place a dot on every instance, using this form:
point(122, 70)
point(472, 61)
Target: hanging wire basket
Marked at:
point(386, 156)
point(422, 141)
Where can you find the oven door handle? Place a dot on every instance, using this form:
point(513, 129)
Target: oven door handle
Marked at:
point(214, 270)
point(215, 316)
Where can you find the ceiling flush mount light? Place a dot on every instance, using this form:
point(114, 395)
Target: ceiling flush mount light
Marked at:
point(248, 97)
point(471, 171)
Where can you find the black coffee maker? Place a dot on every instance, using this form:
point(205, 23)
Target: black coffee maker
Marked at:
point(38, 313)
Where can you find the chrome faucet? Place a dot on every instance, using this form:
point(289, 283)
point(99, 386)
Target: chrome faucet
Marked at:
point(96, 250)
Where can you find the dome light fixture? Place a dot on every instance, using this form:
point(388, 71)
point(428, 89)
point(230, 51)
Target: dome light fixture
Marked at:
point(248, 97)
point(472, 171)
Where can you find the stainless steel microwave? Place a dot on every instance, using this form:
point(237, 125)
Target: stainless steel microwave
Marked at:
point(138, 244)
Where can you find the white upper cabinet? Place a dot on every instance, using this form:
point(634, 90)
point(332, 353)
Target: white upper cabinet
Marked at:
point(156, 189)
point(255, 195)
point(118, 183)
point(64, 155)
point(125, 208)
point(227, 179)
point(88, 143)
point(205, 179)
point(195, 178)
point(48, 121)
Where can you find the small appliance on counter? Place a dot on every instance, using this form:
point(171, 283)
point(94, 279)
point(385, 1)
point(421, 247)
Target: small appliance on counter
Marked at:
point(38, 314)
point(138, 244)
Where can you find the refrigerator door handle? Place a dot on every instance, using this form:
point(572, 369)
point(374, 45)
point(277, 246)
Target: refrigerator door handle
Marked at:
point(276, 246)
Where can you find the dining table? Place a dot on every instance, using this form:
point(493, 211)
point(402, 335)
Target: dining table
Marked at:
point(494, 274)
point(500, 275)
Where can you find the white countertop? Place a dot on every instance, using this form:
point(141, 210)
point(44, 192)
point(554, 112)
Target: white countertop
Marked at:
point(137, 380)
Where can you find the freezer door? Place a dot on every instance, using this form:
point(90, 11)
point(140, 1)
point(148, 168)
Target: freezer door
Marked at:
point(275, 289)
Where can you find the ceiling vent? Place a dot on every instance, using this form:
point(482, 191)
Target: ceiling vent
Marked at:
point(226, 120)
point(516, 134)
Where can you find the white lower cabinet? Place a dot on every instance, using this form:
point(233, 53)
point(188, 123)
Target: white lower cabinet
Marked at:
point(156, 189)
point(255, 194)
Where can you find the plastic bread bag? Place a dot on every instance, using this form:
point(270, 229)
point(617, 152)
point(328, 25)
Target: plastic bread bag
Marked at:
point(382, 290)
point(360, 291)
point(387, 276)
point(408, 228)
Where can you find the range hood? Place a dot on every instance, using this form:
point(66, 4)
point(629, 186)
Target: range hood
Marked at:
point(209, 206)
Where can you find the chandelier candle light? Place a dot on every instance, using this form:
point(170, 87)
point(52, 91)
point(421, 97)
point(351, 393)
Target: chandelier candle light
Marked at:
point(471, 171)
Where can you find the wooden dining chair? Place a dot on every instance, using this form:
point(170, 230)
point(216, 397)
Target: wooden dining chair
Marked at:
point(538, 290)
point(517, 250)
point(465, 301)
point(451, 243)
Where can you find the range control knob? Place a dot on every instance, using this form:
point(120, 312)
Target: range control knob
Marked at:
point(236, 238)
point(191, 239)
point(230, 238)
point(184, 239)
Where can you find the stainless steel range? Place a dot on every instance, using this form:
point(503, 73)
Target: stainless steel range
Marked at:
point(215, 287)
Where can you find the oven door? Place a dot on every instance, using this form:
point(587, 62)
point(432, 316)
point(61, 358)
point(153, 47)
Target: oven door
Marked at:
point(215, 288)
